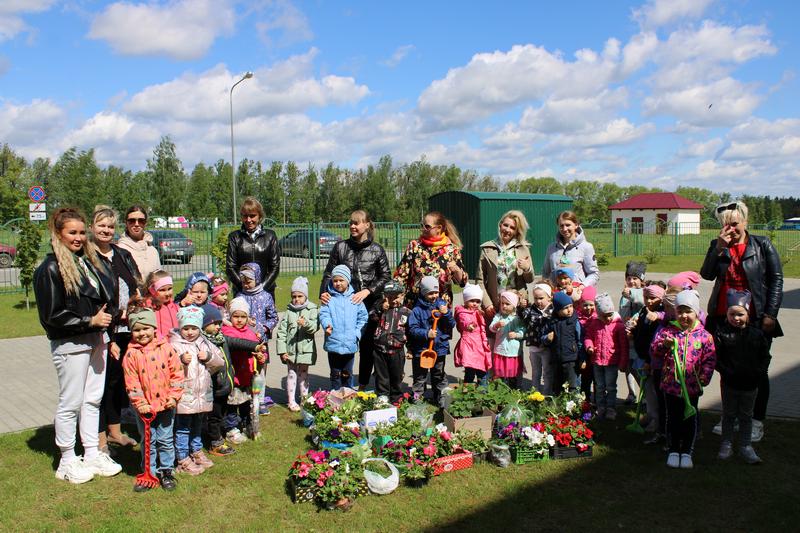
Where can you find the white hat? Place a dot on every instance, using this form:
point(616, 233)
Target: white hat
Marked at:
point(604, 303)
point(472, 292)
point(239, 304)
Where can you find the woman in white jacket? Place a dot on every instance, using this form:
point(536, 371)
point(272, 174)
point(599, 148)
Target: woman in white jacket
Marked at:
point(571, 249)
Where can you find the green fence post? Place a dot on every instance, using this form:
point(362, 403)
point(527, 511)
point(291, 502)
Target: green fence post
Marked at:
point(396, 242)
point(314, 246)
point(614, 237)
point(213, 241)
point(674, 238)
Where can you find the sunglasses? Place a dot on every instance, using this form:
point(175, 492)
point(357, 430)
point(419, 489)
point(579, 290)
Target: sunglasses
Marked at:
point(140, 221)
point(728, 207)
point(428, 226)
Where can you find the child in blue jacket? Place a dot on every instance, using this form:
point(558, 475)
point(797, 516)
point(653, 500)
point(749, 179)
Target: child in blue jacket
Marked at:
point(342, 321)
point(420, 325)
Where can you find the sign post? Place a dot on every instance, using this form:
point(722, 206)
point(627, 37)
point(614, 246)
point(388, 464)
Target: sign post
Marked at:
point(38, 209)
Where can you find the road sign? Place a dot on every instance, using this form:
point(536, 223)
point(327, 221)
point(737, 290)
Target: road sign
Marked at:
point(36, 193)
point(40, 208)
point(37, 215)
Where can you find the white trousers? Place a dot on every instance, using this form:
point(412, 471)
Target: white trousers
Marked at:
point(81, 381)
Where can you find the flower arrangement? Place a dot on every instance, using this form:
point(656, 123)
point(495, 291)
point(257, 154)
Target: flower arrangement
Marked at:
point(536, 438)
point(338, 430)
point(316, 402)
point(570, 432)
point(333, 476)
point(472, 441)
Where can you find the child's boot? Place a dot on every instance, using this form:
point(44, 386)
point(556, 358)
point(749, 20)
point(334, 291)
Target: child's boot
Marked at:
point(200, 458)
point(168, 481)
point(674, 460)
point(749, 455)
point(725, 450)
point(187, 466)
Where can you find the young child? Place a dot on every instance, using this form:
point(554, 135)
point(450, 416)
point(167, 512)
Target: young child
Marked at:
point(342, 321)
point(563, 335)
point(420, 328)
point(154, 382)
point(159, 286)
point(565, 283)
point(606, 343)
point(689, 358)
point(645, 326)
point(630, 303)
point(263, 316)
point(742, 360)
point(244, 361)
point(535, 316)
point(195, 292)
point(221, 381)
point(200, 360)
point(219, 298)
point(296, 345)
point(472, 350)
point(509, 330)
point(390, 340)
point(586, 312)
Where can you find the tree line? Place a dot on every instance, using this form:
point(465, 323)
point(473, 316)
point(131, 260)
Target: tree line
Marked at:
point(293, 194)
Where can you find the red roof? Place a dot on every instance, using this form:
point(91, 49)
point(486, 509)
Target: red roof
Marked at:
point(657, 200)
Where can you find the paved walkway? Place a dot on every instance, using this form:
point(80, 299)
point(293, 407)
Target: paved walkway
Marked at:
point(30, 390)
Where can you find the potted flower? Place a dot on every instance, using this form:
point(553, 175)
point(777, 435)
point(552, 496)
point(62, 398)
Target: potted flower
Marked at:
point(473, 441)
point(340, 484)
point(417, 472)
point(450, 455)
point(312, 405)
point(466, 410)
point(307, 474)
point(534, 444)
point(572, 436)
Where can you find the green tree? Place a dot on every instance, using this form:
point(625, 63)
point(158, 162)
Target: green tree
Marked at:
point(75, 180)
point(307, 195)
point(271, 192)
point(332, 199)
point(291, 185)
point(200, 198)
point(543, 185)
point(378, 196)
point(28, 256)
point(12, 196)
point(168, 179)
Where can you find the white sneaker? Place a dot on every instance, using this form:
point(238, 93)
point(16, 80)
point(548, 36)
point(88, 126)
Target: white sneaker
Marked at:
point(103, 465)
point(236, 436)
point(758, 431)
point(686, 461)
point(674, 460)
point(749, 455)
point(725, 450)
point(75, 471)
point(718, 428)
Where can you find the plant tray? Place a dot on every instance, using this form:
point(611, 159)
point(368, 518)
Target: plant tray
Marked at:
point(524, 456)
point(480, 458)
point(301, 494)
point(451, 463)
point(483, 423)
point(570, 452)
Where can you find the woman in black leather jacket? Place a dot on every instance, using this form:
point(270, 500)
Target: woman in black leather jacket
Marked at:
point(76, 305)
point(253, 243)
point(742, 261)
point(369, 266)
point(121, 268)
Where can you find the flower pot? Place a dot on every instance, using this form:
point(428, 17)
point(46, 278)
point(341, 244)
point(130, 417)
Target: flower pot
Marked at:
point(523, 456)
point(570, 452)
point(479, 458)
point(344, 504)
point(417, 483)
point(301, 494)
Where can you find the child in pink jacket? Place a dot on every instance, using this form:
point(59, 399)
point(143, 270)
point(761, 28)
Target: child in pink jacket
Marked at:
point(689, 359)
point(606, 343)
point(472, 351)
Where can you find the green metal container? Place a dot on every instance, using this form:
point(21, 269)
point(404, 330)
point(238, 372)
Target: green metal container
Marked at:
point(476, 215)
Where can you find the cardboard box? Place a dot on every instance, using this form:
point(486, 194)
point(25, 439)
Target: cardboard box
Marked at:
point(379, 416)
point(484, 423)
point(338, 397)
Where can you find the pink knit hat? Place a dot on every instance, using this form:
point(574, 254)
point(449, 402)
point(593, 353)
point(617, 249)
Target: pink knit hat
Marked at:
point(685, 280)
point(219, 289)
point(588, 294)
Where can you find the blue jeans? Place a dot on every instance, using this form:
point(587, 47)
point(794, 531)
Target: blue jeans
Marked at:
point(161, 442)
point(472, 375)
point(341, 369)
point(188, 437)
point(605, 383)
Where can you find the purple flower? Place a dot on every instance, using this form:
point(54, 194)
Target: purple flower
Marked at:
point(335, 433)
point(586, 417)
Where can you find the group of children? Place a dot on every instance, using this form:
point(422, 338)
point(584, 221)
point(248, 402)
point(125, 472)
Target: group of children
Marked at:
point(197, 361)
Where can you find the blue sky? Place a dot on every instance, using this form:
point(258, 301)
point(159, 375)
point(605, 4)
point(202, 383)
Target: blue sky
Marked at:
point(608, 91)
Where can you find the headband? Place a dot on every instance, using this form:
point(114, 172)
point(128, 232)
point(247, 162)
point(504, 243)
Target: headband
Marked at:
point(159, 283)
point(544, 287)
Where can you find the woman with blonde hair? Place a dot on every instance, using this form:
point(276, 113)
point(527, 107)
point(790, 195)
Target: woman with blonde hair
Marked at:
point(437, 253)
point(505, 263)
point(253, 243)
point(76, 305)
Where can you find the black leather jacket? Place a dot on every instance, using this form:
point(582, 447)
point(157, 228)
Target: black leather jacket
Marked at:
point(762, 266)
point(264, 250)
point(66, 315)
point(368, 266)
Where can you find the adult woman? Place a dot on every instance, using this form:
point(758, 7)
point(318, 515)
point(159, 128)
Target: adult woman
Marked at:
point(505, 263)
point(369, 266)
point(138, 241)
point(76, 305)
point(738, 260)
point(253, 244)
point(571, 249)
point(436, 253)
point(122, 270)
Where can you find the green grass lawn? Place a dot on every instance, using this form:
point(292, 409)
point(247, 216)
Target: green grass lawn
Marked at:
point(626, 485)
point(674, 263)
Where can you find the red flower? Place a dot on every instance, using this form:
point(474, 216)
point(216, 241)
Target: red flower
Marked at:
point(588, 433)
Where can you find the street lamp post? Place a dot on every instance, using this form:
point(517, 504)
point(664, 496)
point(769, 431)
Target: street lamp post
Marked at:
point(246, 76)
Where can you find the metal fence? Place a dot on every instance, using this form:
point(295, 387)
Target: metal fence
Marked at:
point(305, 247)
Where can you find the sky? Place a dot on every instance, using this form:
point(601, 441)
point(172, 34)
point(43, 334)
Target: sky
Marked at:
point(662, 93)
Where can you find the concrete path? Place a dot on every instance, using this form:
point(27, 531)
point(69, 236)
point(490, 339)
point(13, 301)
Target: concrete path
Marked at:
point(29, 391)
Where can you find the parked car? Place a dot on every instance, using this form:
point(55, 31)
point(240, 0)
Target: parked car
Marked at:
point(300, 242)
point(7, 255)
point(172, 245)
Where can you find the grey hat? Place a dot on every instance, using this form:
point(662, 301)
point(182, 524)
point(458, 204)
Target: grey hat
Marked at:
point(689, 298)
point(428, 284)
point(392, 287)
point(740, 298)
point(635, 269)
point(604, 304)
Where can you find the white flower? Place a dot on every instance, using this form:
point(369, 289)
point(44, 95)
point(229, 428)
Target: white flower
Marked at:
point(346, 468)
point(441, 428)
point(571, 405)
point(336, 419)
point(412, 452)
point(538, 437)
point(352, 425)
point(551, 440)
point(334, 463)
point(310, 400)
point(382, 401)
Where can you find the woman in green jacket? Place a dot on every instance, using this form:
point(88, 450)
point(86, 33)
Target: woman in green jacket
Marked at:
point(296, 345)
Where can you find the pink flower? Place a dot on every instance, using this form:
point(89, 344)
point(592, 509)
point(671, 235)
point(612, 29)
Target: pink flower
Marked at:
point(303, 470)
point(446, 435)
point(538, 426)
point(429, 450)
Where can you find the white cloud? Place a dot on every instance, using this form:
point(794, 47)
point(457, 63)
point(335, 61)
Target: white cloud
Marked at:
point(617, 131)
point(28, 124)
point(694, 148)
point(180, 29)
point(574, 114)
point(285, 87)
point(282, 23)
point(398, 55)
point(657, 13)
point(11, 23)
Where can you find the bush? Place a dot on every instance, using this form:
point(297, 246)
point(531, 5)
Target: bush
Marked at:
point(651, 257)
point(219, 249)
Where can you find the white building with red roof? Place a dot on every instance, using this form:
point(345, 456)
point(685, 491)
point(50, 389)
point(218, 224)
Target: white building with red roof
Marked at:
point(657, 212)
